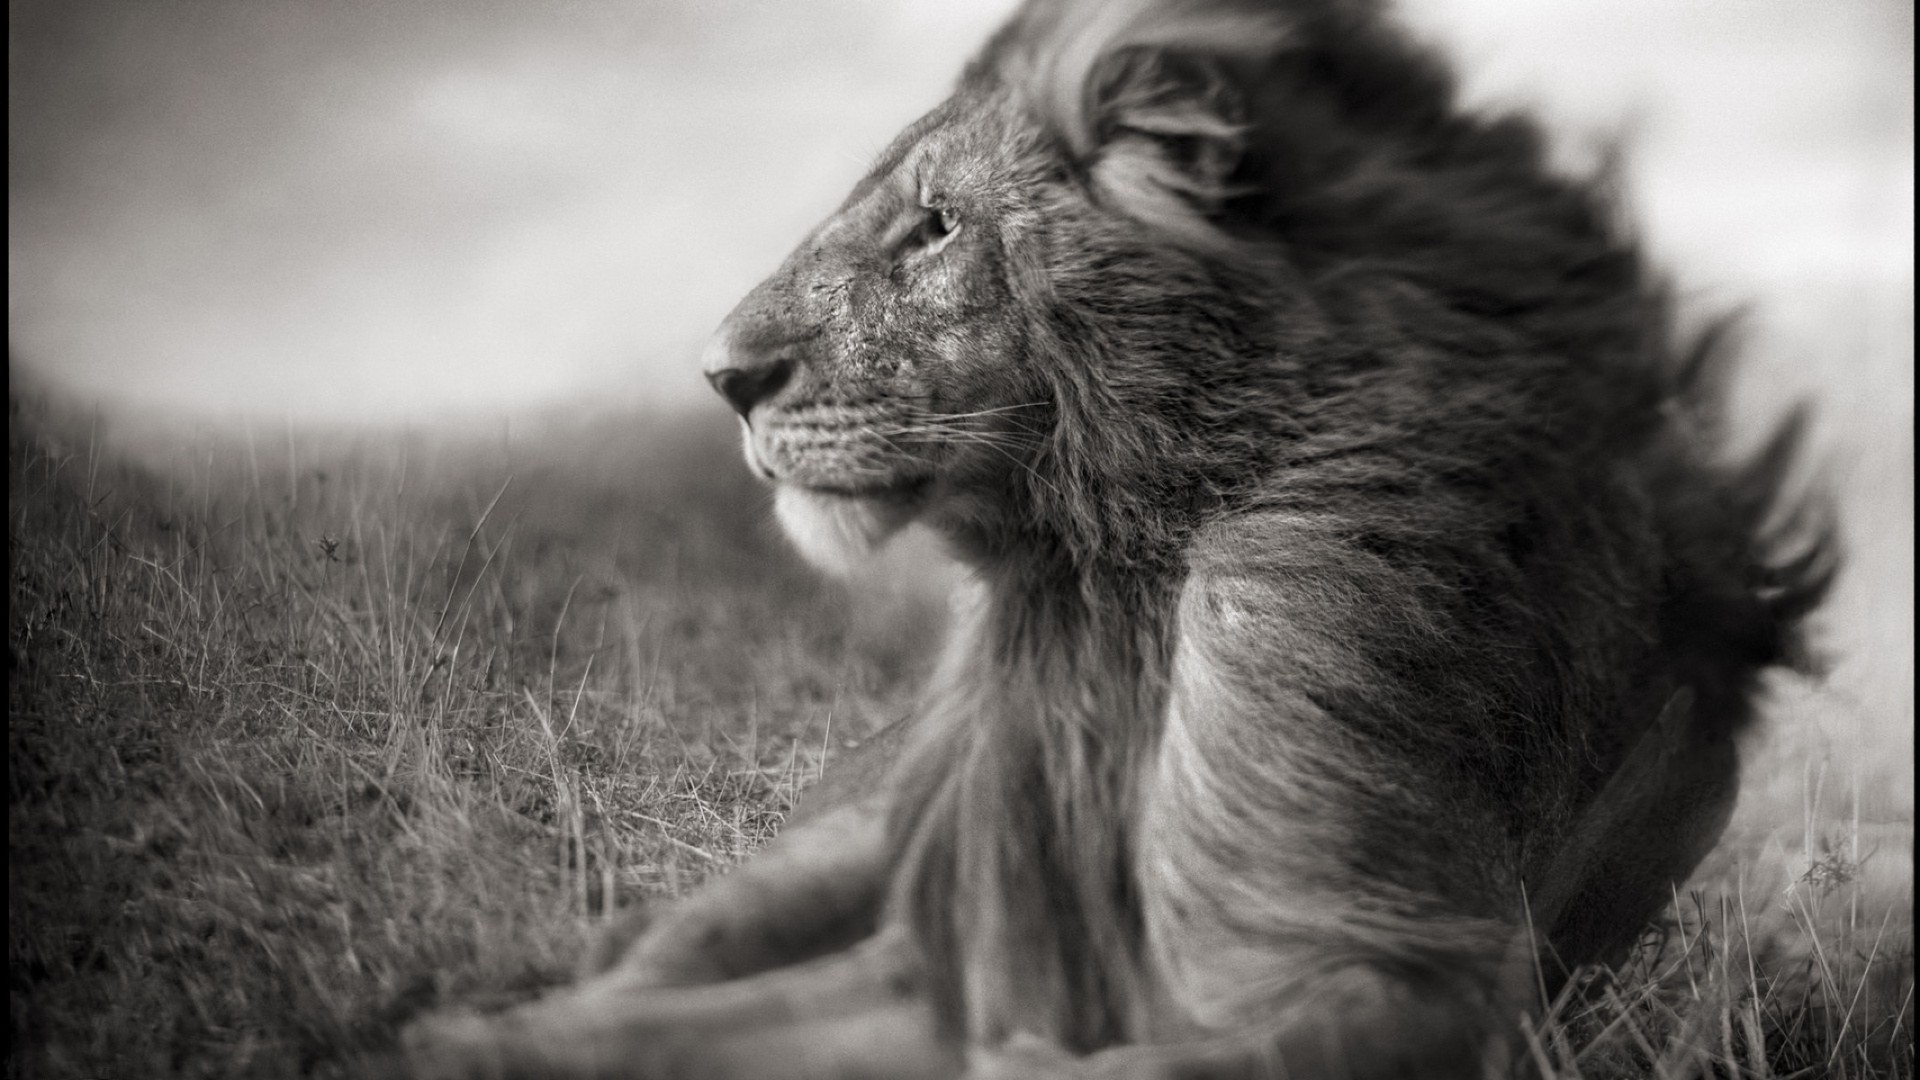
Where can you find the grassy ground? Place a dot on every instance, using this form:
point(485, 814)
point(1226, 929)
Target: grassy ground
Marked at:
point(310, 731)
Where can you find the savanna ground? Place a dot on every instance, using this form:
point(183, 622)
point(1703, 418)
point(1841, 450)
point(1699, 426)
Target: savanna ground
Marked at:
point(310, 731)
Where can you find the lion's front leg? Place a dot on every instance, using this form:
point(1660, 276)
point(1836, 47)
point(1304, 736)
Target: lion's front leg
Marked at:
point(815, 889)
point(773, 970)
point(858, 1013)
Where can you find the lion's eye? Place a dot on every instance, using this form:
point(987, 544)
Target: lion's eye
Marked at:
point(939, 228)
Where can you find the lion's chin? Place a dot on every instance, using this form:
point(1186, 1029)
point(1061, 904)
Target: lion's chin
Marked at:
point(838, 532)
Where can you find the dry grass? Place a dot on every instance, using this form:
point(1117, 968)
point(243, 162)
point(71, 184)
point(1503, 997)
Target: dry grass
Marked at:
point(310, 732)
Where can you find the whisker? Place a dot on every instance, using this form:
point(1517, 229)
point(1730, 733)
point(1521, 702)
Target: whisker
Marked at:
point(989, 412)
point(961, 418)
point(1000, 443)
point(959, 423)
point(965, 438)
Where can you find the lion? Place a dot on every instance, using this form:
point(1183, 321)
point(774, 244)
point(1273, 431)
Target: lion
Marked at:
point(1362, 604)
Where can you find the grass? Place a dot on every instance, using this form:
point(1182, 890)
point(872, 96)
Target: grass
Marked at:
point(310, 731)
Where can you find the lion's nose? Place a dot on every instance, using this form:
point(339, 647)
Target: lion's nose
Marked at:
point(745, 387)
point(746, 372)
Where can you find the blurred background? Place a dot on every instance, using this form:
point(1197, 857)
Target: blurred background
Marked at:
point(364, 208)
point(375, 211)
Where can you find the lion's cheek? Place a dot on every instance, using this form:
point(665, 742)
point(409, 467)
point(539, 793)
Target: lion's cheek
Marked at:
point(837, 533)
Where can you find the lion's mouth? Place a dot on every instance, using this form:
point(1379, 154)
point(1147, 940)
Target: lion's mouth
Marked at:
point(826, 480)
point(834, 471)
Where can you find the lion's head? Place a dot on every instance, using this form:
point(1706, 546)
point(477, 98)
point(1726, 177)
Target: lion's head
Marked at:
point(1014, 264)
point(886, 359)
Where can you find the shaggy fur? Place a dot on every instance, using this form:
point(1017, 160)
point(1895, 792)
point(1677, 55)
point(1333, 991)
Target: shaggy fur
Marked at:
point(1362, 610)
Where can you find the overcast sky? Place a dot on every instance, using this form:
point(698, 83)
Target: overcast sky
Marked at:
point(376, 208)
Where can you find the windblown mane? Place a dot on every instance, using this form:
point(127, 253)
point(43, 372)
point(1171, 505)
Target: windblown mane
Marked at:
point(1473, 348)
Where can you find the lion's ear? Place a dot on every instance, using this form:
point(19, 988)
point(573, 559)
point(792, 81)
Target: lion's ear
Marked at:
point(1146, 94)
point(1169, 131)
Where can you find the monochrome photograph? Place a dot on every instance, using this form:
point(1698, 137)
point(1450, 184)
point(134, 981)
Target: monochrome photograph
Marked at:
point(938, 539)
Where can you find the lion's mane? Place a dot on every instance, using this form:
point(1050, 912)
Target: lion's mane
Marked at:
point(1492, 443)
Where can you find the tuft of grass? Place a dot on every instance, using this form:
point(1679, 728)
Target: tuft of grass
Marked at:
point(310, 731)
point(1742, 978)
